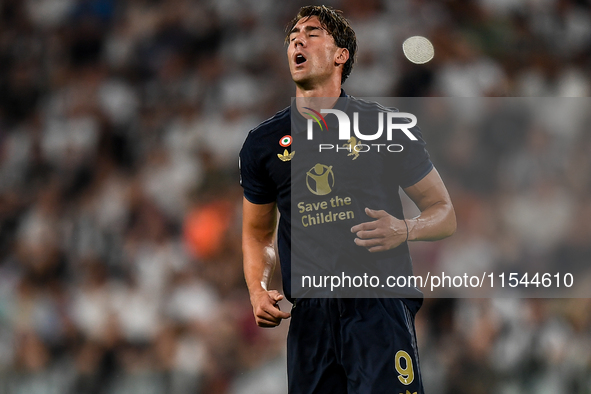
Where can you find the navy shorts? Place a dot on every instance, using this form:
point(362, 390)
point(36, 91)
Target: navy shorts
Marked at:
point(352, 346)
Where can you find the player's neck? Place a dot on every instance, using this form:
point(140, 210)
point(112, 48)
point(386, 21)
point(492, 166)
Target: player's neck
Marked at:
point(317, 97)
point(331, 88)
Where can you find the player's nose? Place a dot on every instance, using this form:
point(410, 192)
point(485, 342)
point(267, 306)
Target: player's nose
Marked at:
point(299, 40)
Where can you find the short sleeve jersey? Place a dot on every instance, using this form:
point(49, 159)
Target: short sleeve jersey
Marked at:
point(265, 175)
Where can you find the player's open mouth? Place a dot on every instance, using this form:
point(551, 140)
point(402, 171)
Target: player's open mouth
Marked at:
point(299, 59)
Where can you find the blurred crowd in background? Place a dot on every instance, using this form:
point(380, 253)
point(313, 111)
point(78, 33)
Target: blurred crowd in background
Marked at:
point(120, 125)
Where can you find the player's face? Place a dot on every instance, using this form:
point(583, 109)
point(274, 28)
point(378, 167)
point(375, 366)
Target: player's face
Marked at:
point(312, 53)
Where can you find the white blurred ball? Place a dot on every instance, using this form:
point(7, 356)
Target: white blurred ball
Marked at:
point(418, 49)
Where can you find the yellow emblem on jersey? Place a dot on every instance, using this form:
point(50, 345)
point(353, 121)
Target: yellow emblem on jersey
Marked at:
point(286, 156)
point(323, 178)
point(350, 145)
point(408, 392)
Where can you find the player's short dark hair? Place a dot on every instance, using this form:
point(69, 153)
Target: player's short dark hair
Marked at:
point(336, 25)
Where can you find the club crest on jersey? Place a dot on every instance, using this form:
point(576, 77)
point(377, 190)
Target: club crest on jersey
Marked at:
point(285, 141)
point(286, 156)
point(350, 145)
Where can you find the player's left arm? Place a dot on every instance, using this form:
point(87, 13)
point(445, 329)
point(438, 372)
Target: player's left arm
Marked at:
point(436, 221)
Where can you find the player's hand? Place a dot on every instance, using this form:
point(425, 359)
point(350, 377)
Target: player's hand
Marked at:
point(266, 310)
point(384, 233)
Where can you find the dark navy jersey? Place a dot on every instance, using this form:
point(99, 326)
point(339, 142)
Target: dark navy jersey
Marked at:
point(266, 176)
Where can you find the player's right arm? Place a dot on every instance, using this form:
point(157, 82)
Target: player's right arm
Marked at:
point(258, 228)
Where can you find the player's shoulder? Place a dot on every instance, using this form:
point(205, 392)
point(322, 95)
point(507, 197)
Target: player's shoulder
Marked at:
point(363, 105)
point(278, 123)
point(261, 140)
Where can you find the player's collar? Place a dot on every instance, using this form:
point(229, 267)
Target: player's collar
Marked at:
point(299, 123)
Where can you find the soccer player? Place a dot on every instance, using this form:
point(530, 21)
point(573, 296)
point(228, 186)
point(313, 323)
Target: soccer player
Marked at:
point(342, 345)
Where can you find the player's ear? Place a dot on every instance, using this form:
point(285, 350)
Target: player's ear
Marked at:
point(341, 56)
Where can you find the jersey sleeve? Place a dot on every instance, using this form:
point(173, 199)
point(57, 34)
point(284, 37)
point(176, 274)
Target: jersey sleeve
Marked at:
point(416, 163)
point(254, 176)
